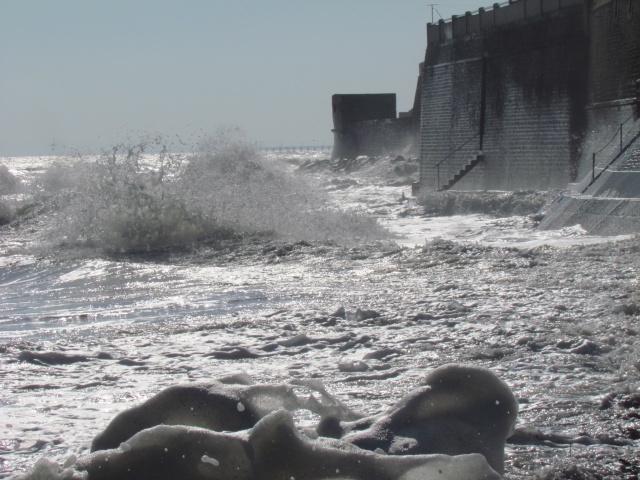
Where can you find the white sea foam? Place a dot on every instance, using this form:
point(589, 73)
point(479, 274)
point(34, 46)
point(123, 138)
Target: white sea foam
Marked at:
point(210, 460)
point(84, 339)
point(130, 200)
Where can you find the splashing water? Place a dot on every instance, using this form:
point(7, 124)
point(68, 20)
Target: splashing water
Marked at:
point(9, 185)
point(129, 200)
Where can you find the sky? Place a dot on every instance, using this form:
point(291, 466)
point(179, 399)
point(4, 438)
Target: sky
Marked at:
point(84, 75)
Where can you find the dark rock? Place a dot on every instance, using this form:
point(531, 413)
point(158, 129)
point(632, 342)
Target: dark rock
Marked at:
point(269, 347)
point(355, 366)
point(630, 401)
point(297, 341)
point(373, 376)
point(234, 353)
point(127, 362)
point(423, 316)
point(366, 314)
point(383, 353)
point(585, 348)
point(445, 287)
point(627, 309)
point(607, 401)
point(51, 358)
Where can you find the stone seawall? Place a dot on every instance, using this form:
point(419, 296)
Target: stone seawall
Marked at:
point(367, 124)
point(527, 90)
point(382, 137)
point(614, 79)
point(508, 82)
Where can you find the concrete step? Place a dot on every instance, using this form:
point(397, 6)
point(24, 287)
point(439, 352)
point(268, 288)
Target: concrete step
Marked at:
point(633, 162)
point(457, 177)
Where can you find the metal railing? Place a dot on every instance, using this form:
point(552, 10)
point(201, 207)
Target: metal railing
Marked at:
point(437, 165)
point(618, 136)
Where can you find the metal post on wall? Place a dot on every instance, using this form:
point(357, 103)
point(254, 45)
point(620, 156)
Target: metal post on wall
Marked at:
point(483, 101)
point(621, 137)
point(593, 168)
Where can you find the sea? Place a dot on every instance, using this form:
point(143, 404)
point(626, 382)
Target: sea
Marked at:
point(130, 271)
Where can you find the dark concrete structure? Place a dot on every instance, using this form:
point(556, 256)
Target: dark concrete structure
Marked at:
point(366, 124)
point(527, 94)
point(350, 112)
point(518, 96)
point(613, 110)
point(508, 83)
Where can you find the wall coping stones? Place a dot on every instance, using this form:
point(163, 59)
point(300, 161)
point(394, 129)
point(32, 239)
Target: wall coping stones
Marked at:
point(495, 16)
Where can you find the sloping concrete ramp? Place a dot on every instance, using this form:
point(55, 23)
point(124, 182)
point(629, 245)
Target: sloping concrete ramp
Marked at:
point(598, 216)
point(611, 206)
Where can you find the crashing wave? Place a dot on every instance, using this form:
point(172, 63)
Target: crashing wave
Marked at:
point(498, 204)
point(9, 185)
point(145, 198)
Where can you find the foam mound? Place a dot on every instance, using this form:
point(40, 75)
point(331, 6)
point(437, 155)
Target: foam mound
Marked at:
point(215, 406)
point(459, 410)
point(452, 427)
point(273, 448)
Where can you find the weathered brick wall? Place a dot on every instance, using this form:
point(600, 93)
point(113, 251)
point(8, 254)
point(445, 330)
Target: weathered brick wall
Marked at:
point(559, 78)
point(615, 50)
point(450, 120)
point(536, 90)
point(535, 109)
point(614, 77)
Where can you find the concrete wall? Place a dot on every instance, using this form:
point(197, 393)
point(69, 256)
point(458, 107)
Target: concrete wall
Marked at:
point(536, 85)
point(614, 79)
point(381, 137)
point(535, 56)
point(351, 109)
point(486, 19)
point(450, 120)
point(615, 50)
point(366, 124)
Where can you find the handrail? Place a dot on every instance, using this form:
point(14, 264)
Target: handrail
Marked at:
point(619, 130)
point(623, 148)
point(454, 151)
point(437, 165)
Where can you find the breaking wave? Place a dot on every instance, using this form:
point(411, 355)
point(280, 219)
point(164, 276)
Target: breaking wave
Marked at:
point(498, 204)
point(9, 185)
point(143, 197)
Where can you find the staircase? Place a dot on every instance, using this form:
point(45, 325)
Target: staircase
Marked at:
point(460, 175)
point(633, 163)
point(627, 141)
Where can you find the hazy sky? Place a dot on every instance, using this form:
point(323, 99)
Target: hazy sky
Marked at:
point(86, 74)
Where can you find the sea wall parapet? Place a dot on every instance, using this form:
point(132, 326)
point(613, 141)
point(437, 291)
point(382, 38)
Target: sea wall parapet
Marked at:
point(485, 19)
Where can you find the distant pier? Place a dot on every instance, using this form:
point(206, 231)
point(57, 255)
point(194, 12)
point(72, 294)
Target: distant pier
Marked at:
point(298, 148)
